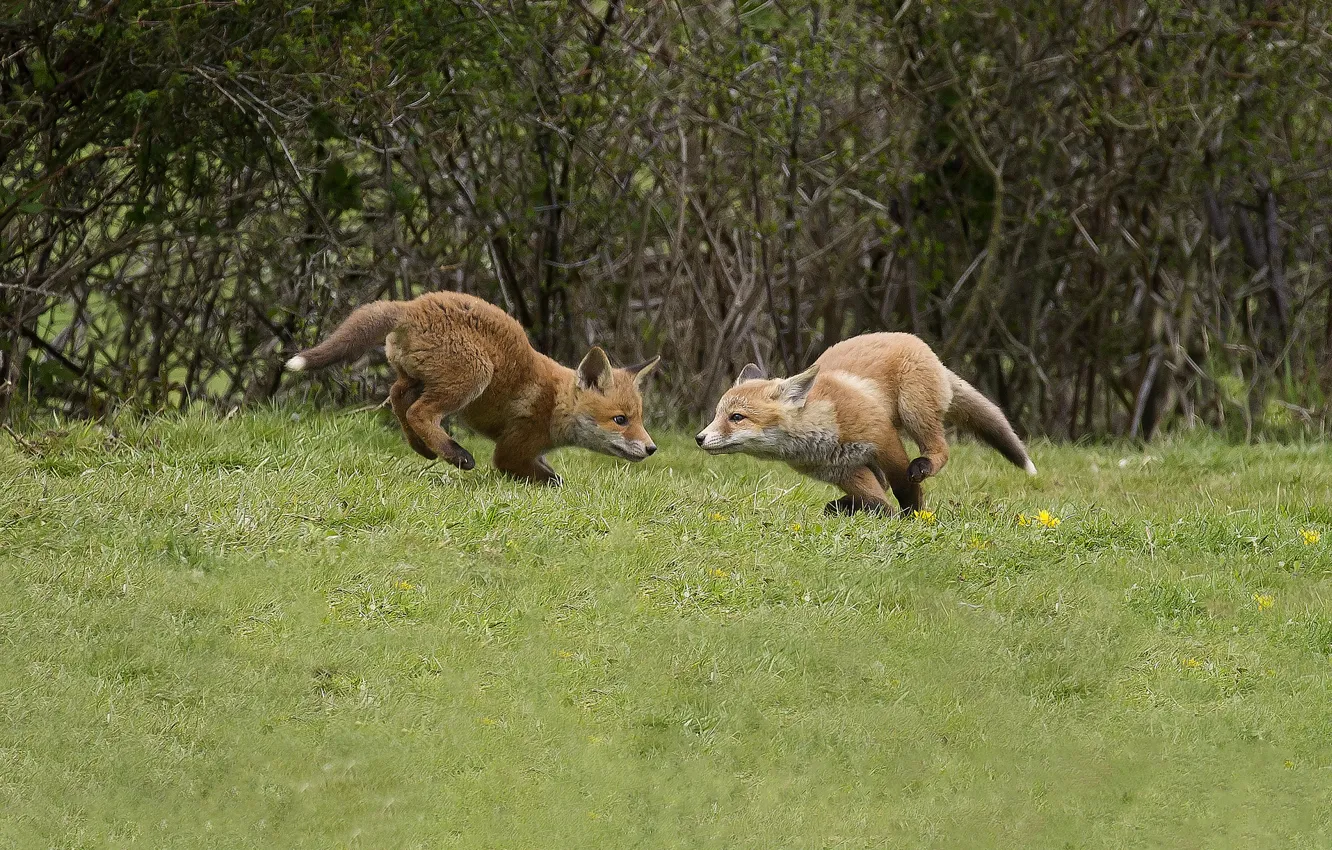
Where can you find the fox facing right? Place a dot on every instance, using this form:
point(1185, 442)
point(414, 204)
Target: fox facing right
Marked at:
point(840, 420)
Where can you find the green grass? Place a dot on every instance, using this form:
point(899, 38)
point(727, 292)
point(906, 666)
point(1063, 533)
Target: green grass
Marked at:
point(267, 633)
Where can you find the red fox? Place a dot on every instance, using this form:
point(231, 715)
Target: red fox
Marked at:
point(455, 353)
point(838, 421)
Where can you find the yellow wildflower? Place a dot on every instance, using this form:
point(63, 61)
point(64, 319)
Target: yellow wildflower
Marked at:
point(716, 517)
point(924, 516)
point(1309, 536)
point(1023, 519)
point(1264, 600)
point(1191, 663)
point(718, 572)
point(564, 653)
point(1288, 764)
point(1048, 519)
point(405, 585)
point(978, 542)
point(795, 526)
point(488, 721)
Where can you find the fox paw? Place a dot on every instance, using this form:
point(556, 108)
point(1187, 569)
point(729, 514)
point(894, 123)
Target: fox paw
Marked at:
point(920, 469)
point(460, 457)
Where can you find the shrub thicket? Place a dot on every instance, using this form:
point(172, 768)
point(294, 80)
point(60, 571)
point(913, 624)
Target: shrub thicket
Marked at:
point(1112, 216)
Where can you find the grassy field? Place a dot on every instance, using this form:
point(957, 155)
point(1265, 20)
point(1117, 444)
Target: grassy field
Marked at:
point(273, 633)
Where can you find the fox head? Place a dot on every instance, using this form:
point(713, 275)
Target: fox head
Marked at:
point(757, 416)
point(606, 412)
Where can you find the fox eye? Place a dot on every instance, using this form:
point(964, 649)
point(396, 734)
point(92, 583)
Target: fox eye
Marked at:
point(620, 419)
point(737, 417)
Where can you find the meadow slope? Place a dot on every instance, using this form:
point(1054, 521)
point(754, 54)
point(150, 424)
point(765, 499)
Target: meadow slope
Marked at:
point(262, 632)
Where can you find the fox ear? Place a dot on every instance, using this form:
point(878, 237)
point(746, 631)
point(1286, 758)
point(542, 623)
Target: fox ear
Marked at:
point(749, 373)
point(795, 389)
point(642, 370)
point(594, 373)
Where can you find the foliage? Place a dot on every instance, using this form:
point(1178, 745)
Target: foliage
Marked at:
point(1113, 216)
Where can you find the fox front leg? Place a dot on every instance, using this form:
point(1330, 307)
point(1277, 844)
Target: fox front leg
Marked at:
point(552, 478)
point(523, 467)
point(863, 493)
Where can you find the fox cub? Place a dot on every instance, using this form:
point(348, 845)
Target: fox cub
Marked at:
point(839, 420)
point(455, 353)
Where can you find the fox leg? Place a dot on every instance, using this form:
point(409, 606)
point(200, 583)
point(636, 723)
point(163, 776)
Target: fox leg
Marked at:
point(863, 493)
point(516, 463)
point(927, 430)
point(402, 395)
point(438, 400)
point(892, 460)
point(555, 479)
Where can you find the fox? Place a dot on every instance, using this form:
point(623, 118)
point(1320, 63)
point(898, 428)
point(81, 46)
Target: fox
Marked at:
point(456, 353)
point(841, 420)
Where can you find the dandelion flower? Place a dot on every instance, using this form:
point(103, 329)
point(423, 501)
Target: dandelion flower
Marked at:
point(1309, 536)
point(1191, 663)
point(1264, 600)
point(1048, 519)
point(716, 517)
point(795, 526)
point(924, 516)
point(1023, 519)
point(405, 585)
point(718, 572)
point(978, 542)
point(1288, 764)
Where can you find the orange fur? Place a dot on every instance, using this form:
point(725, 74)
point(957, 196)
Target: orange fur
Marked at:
point(455, 353)
point(841, 420)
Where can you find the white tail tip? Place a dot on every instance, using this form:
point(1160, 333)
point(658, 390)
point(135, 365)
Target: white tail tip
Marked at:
point(1030, 467)
point(297, 364)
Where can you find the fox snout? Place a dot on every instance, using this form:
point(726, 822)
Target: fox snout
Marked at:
point(635, 450)
point(711, 441)
point(638, 451)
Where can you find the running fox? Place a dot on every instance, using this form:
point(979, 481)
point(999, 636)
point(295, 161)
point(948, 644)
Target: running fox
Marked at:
point(456, 353)
point(838, 421)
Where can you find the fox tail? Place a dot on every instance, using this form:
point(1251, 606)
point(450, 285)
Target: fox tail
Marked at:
point(975, 413)
point(365, 328)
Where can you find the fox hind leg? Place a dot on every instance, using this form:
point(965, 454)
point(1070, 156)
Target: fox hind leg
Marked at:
point(935, 454)
point(438, 400)
point(892, 461)
point(926, 428)
point(402, 395)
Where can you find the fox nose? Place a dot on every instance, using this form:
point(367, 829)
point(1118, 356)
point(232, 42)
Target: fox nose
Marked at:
point(699, 439)
point(651, 450)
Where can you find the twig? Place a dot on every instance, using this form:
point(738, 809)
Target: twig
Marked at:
point(27, 446)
